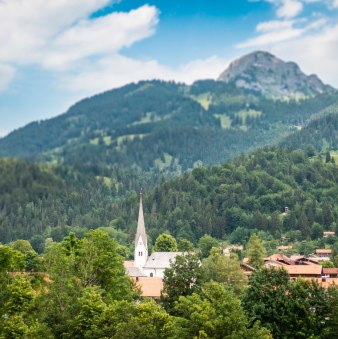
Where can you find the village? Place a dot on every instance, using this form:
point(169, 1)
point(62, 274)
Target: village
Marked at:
point(147, 271)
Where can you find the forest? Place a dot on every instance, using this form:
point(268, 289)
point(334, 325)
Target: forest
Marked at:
point(78, 289)
point(229, 201)
point(163, 126)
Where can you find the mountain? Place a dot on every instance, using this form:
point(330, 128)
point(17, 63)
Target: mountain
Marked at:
point(264, 74)
point(167, 127)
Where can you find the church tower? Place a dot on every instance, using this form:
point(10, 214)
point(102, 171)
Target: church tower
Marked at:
point(141, 247)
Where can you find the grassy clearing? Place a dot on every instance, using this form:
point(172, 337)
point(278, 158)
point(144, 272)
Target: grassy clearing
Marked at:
point(94, 141)
point(151, 117)
point(224, 120)
point(243, 114)
point(106, 180)
point(130, 137)
point(167, 161)
point(107, 140)
point(334, 155)
point(203, 99)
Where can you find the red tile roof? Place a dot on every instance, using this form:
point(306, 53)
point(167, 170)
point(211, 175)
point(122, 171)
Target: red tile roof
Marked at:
point(303, 269)
point(150, 286)
point(330, 270)
point(323, 251)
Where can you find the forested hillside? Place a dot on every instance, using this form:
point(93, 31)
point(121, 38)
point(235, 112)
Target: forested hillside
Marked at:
point(249, 193)
point(39, 201)
point(157, 125)
point(320, 134)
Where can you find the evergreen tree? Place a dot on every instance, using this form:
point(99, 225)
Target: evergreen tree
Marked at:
point(255, 252)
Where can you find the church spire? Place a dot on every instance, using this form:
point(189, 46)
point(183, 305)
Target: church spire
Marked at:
point(141, 246)
point(141, 230)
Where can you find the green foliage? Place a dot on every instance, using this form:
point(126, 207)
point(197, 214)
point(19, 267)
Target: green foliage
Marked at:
point(10, 259)
point(185, 245)
point(288, 309)
point(327, 264)
point(31, 257)
point(181, 279)
point(225, 270)
point(214, 312)
point(205, 244)
point(255, 252)
point(165, 243)
point(78, 268)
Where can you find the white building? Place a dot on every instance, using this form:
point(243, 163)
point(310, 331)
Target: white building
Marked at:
point(145, 265)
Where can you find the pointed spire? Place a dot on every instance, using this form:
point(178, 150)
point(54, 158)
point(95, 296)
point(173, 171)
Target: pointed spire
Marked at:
point(141, 230)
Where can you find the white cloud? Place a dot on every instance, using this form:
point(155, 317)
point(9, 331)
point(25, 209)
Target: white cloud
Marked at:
point(60, 34)
point(335, 3)
point(315, 53)
point(28, 25)
point(119, 70)
point(273, 32)
point(84, 53)
point(105, 35)
point(273, 26)
point(289, 9)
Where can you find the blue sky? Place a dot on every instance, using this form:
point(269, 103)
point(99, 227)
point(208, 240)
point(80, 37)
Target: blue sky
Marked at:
point(55, 52)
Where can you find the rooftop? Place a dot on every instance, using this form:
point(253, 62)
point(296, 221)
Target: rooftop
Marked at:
point(303, 269)
point(330, 270)
point(323, 251)
point(161, 260)
point(135, 272)
point(150, 287)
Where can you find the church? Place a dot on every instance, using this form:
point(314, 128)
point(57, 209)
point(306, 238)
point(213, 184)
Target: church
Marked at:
point(145, 265)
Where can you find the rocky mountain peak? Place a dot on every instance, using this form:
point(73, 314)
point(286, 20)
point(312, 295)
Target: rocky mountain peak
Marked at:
point(264, 74)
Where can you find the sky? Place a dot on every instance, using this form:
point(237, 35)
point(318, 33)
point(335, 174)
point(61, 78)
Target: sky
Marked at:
point(56, 52)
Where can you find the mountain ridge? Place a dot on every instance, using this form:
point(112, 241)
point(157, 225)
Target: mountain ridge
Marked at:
point(163, 126)
point(262, 73)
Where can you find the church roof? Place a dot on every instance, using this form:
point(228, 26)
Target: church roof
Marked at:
point(141, 230)
point(160, 260)
point(135, 272)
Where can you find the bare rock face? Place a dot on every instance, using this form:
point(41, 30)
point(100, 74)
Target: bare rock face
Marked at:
point(264, 74)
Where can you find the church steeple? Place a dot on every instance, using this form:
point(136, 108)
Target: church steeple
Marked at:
point(141, 245)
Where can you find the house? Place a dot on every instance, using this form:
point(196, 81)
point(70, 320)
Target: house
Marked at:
point(302, 260)
point(279, 257)
point(323, 254)
point(227, 250)
point(328, 233)
point(330, 272)
point(247, 269)
point(304, 271)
